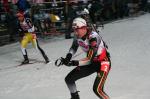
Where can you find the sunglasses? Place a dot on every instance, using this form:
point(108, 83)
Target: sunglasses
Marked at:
point(77, 28)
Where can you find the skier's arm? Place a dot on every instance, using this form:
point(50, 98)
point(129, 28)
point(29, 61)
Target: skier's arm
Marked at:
point(20, 30)
point(31, 29)
point(72, 51)
point(91, 53)
point(74, 47)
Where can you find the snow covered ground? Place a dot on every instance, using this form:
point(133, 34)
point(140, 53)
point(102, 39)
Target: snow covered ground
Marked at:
point(128, 42)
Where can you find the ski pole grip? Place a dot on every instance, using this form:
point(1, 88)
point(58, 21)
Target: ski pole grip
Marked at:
point(59, 62)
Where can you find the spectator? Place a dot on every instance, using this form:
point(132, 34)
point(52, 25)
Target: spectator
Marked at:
point(12, 26)
point(143, 4)
point(6, 5)
point(23, 6)
point(71, 15)
point(37, 1)
point(96, 7)
point(107, 10)
point(148, 6)
point(10, 20)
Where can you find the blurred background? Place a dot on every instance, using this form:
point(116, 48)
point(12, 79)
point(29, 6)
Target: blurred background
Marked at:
point(54, 17)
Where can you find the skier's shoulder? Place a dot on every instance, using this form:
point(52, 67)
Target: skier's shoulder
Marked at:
point(28, 20)
point(93, 34)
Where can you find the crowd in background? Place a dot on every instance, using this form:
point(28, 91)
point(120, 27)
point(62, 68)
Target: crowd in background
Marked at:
point(67, 10)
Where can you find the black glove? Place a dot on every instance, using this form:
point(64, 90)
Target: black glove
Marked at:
point(72, 63)
point(67, 59)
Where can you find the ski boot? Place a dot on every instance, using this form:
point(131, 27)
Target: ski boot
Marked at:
point(75, 95)
point(46, 59)
point(26, 60)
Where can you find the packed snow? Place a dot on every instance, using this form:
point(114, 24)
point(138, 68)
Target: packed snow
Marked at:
point(129, 45)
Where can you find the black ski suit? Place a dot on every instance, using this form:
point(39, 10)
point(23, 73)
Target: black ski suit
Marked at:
point(97, 60)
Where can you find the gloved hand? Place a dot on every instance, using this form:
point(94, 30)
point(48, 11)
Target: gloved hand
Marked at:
point(67, 59)
point(72, 63)
point(62, 61)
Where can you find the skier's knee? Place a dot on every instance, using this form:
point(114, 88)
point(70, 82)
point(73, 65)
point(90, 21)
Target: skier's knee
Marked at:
point(95, 90)
point(68, 79)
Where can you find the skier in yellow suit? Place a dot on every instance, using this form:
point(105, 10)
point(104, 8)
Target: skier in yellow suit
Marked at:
point(27, 33)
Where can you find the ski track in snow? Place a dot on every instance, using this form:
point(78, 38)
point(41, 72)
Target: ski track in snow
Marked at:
point(128, 42)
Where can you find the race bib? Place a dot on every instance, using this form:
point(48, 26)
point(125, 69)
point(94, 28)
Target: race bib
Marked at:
point(105, 66)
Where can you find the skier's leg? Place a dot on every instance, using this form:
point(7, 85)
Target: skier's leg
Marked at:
point(74, 75)
point(99, 85)
point(100, 81)
point(24, 43)
point(35, 43)
point(25, 55)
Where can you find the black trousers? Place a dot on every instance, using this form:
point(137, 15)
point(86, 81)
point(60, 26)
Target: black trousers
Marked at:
point(83, 71)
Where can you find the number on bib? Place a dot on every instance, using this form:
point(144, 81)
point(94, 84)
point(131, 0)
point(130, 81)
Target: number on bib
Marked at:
point(105, 66)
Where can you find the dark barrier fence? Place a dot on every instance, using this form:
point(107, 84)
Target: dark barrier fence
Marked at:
point(43, 16)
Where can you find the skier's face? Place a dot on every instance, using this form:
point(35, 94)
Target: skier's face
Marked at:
point(21, 18)
point(80, 32)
